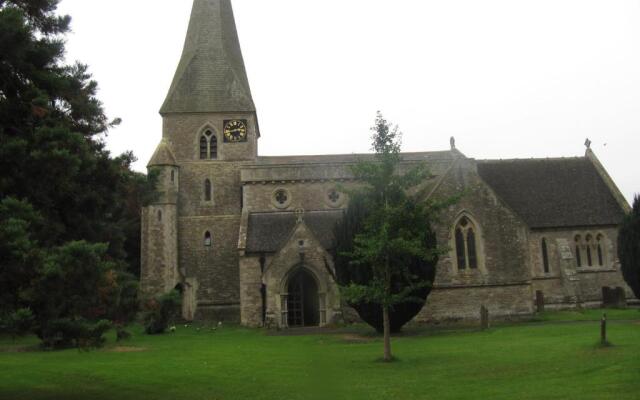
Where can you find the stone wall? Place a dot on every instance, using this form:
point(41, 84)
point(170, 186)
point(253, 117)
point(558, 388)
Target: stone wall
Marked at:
point(590, 278)
point(159, 236)
point(183, 132)
point(501, 235)
point(455, 304)
point(305, 195)
point(211, 272)
point(502, 280)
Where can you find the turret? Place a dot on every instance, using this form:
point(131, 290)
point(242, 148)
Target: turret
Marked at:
point(159, 269)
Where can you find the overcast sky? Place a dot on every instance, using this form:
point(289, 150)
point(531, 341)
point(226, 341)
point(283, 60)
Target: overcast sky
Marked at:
point(508, 79)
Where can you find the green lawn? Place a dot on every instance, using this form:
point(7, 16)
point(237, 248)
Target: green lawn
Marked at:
point(556, 358)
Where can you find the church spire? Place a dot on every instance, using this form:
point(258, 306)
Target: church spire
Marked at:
point(210, 76)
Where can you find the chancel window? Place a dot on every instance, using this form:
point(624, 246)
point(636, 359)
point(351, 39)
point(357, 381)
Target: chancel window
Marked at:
point(207, 190)
point(466, 244)
point(545, 256)
point(208, 146)
point(578, 254)
point(589, 244)
point(207, 239)
point(590, 251)
point(599, 250)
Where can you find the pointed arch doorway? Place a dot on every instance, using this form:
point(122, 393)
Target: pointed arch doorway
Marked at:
point(302, 300)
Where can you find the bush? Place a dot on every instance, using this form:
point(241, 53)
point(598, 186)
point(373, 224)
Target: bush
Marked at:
point(18, 323)
point(417, 271)
point(160, 312)
point(66, 332)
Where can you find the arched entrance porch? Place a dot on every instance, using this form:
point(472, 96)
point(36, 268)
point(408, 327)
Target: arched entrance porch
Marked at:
point(303, 303)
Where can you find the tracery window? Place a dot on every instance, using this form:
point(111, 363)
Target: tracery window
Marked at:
point(545, 256)
point(466, 244)
point(208, 146)
point(593, 249)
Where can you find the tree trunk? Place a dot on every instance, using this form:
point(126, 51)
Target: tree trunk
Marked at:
point(387, 334)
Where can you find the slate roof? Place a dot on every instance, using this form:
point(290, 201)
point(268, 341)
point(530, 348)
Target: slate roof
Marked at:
point(553, 193)
point(162, 156)
point(268, 232)
point(211, 76)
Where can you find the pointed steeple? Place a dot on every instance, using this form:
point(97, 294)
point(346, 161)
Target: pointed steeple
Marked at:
point(211, 76)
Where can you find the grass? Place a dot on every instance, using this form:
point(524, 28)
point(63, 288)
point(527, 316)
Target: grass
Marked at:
point(552, 359)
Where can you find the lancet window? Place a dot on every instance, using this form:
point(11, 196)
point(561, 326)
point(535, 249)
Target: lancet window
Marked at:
point(466, 244)
point(208, 146)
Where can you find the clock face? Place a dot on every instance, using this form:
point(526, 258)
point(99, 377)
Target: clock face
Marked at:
point(235, 130)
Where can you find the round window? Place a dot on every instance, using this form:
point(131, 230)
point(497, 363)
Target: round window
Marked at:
point(334, 198)
point(281, 198)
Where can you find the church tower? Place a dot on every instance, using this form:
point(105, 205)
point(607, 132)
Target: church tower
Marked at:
point(210, 129)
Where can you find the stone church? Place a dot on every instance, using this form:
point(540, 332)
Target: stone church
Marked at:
point(248, 238)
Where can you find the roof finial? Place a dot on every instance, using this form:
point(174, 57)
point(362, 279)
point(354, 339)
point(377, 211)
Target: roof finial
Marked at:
point(452, 141)
point(587, 143)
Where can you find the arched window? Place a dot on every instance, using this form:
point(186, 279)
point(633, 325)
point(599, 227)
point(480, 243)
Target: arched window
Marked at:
point(208, 146)
point(545, 256)
point(207, 190)
point(578, 255)
point(471, 249)
point(589, 258)
point(466, 245)
point(599, 249)
point(460, 252)
point(207, 239)
point(204, 145)
point(213, 147)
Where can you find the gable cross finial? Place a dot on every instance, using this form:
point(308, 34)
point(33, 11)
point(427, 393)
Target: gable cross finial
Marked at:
point(587, 143)
point(452, 142)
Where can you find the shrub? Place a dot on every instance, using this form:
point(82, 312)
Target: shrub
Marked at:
point(18, 323)
point(160, 312)
point(66, 332)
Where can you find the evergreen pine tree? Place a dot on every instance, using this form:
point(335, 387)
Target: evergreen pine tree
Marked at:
point(629, 247)
point(59, 185)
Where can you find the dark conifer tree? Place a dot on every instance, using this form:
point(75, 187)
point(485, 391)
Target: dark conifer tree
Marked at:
point(629, 247)
point(61, 192)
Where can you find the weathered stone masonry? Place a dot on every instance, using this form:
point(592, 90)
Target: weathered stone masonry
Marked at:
point(248, 238)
